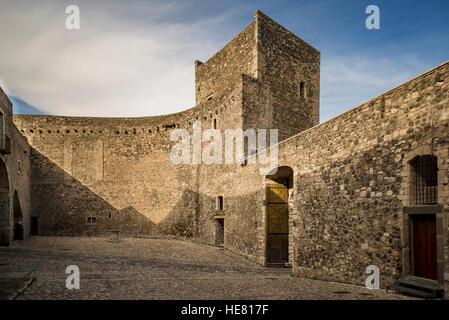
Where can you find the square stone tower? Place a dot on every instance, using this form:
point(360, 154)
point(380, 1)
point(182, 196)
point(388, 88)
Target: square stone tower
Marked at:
point(277, 72)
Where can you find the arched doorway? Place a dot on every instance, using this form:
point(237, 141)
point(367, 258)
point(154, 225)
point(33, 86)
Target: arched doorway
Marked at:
point(18, 218)
point(277, 216)
point(4, 205)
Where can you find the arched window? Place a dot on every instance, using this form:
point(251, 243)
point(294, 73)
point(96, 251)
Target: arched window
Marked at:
point(425, 177)
point(302, 89)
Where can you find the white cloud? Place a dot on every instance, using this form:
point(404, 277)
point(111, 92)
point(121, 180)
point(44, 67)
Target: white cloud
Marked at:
point(351, 80)
point(126, 60)
point(135, 58)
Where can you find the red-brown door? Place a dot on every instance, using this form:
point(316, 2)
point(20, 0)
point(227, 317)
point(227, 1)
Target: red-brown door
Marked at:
point(424, 246)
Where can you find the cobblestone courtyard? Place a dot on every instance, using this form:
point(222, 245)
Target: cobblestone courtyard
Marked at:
point(153, 269)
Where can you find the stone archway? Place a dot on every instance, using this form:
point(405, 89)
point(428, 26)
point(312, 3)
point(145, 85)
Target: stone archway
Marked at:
point(4, 205)
point(18, 218)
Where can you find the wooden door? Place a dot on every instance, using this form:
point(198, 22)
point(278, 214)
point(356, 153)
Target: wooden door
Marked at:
point(277, 223)
point(424, 246)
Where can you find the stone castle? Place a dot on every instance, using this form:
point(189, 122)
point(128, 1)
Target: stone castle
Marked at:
point(368, 187)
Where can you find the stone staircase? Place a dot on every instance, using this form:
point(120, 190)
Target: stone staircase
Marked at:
point(417, 287)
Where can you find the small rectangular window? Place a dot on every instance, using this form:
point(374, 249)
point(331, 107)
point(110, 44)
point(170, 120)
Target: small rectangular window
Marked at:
point(91, 220)
point(220, 203)
point(302, 89)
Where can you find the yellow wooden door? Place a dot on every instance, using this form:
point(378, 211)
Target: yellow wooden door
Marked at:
point(277, 223)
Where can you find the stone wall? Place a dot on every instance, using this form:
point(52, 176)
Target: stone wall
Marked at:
point(351, 174)
point(272, 62)
point(270, 99)
point(14, 177)
point(91, 175)
point(222, 72)
point(351, 182)
point(284, 61)
point(116, 170)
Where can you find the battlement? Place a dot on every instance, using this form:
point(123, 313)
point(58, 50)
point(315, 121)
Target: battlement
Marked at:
point(33, 126)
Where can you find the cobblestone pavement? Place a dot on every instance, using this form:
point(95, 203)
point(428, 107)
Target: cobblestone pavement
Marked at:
point(156, 269)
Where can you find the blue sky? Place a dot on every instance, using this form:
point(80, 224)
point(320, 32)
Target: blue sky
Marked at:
point(135, 58)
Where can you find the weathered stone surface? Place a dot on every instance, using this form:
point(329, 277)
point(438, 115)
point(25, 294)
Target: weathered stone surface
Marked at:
point(147, 269)
point(351, 184)
point(119, 171)
point(15, 174)
point(352, 175)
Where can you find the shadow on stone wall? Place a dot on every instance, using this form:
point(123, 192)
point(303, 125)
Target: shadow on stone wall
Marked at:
point(66, 207)
point(182, 219)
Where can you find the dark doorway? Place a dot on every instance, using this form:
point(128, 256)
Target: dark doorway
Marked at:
point(424, 246)
point(219, 232)
point(4, 205)
point(18, 218)
point(18, 231)
point(33, 228)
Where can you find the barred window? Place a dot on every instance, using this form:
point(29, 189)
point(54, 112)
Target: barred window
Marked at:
point(426, 179)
